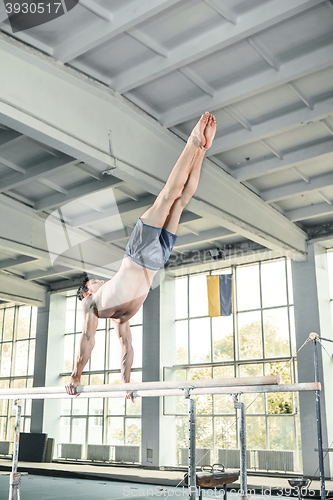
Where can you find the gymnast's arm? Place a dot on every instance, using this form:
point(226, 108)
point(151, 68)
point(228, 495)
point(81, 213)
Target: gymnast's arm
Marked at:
point(87, 342)
point(123, 332)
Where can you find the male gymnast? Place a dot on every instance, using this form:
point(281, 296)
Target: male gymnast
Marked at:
point(148, 249)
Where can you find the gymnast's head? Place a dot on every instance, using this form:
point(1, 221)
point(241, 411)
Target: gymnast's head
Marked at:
point(90, 285)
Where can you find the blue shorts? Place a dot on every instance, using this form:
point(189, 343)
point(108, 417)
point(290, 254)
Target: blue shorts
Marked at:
point(150, 246)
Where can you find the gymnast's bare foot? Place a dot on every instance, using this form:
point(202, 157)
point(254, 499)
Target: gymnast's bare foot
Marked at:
point(209, 131)
point(197, 134)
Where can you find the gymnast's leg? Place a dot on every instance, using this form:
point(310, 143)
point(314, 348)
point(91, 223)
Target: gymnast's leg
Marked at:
point(157, 214)
point(172, 220)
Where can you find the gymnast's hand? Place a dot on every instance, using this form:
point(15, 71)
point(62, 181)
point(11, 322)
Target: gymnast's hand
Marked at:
point(130, 395)
point(71, 386)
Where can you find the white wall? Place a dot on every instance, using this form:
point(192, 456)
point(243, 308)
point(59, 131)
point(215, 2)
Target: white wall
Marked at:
point(167, 358)
point(54, 365)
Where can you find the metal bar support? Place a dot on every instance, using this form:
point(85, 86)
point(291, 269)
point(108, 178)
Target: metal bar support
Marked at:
point(15, 477)
point(243, 459)
point(314, 337)
point(192, 485)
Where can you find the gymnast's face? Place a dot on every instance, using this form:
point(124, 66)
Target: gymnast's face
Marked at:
point(93, 285)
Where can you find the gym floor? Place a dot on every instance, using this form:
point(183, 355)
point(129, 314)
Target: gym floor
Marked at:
point(47, 487)
point(52, 488)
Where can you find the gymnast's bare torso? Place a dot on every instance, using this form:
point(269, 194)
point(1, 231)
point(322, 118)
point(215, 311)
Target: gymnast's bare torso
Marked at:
point(121, 297)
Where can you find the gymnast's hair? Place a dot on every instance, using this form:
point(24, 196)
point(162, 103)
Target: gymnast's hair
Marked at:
point(83, 288)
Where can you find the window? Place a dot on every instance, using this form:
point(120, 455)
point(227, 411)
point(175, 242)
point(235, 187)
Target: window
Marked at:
point(330, 274)
point(257, 339)
point(17, 359)
point(97, 420)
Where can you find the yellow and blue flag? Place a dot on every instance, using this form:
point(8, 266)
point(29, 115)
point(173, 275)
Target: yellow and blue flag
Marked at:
point(219, 288)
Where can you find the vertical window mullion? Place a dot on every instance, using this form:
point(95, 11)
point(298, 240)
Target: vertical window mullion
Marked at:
point(188, 319)
point(234, 319)
point(71, 423)
point(14, 341)
point(124, 427)
point(288, 306)
point(261, 314)
point(3, 324)
point(106, 366)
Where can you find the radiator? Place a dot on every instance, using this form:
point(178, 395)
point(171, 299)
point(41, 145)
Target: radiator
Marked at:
point(4, 447)
point(202, 456)
point(99, 452)
point(127, 453)
point(231, 458)
point(276, 460)
point(73, 451)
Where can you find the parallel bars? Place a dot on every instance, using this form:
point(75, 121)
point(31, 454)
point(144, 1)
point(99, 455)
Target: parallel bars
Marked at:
point(186, 388)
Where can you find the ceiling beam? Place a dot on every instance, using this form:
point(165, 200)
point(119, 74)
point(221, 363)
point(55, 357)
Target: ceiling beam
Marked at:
point(290, 159)
point(3, 15)
point(53, 186)
point(276, 152)
point(59, 245)
point(300, 174)
point(25, 37)
point(52, 151)
point(324, 197)
point(12, 262)
point(121, 208)
point(213, 40)
point(38, 274)
point(301, 214)
point(307, 101)
point(296, 188)
point(327, 126)
point(230, 257)
point(36, 172)
point(188, 217)
point(276, 124)
point(197, 80)
point(97, 9)
point(187, 240)
point(303, 65)
point(65, 124)
point(88, 169)
point(227, 220)
point(8, 138)
point(128, 193)
point(262, 51)
point(223, 10)
point(11, 165)
point(121, 234)
point(90, 204)
point(117, 235)
point(14, 288)
point(66, 284)
point(148, 41)
point(74, 193)
point(124, 19)
point(241, 119)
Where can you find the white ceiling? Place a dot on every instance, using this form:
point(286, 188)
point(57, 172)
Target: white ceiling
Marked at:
point(264, 67)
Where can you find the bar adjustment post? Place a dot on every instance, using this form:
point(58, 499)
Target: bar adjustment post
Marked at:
point(15, 477)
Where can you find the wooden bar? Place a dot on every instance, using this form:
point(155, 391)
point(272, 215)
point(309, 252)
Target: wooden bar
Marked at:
point(153, 389)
